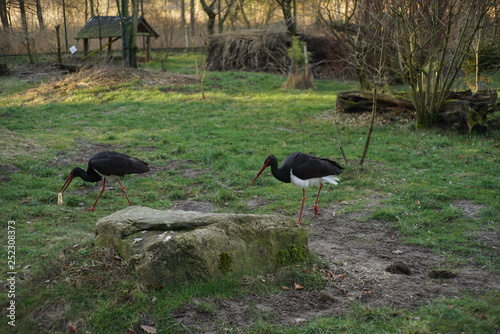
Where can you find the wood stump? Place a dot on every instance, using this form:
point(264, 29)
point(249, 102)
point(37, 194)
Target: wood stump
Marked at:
point(4, 70)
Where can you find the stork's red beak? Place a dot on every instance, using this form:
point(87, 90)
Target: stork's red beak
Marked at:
point(266, 164)
point(66, 184)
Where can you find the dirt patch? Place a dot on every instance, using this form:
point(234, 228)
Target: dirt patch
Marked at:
point(358, 254)
point(80, 154)
point(469, 208)
point(62, 85)
point(14, 145)
point(6, 170)
point(363, 118)
point(110, 76)
point(186, 167)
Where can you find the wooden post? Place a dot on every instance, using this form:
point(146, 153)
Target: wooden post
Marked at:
point(306, 63)
point(148, 48)
point(59, 55)
point(85, 46)
point(110, 41)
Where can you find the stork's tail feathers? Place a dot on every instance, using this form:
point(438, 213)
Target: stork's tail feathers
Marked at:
point(331, 179)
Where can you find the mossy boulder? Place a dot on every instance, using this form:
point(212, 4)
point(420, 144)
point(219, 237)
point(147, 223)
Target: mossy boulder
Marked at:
point(172, 246)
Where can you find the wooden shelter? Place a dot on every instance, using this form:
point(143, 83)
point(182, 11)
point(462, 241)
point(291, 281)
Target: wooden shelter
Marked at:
point(101, 27)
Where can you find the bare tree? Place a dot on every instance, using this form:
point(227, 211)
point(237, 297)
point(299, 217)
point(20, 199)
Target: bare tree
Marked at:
point(241, 10)
point(433, 39)
point(167, 40)
point(89, 9)
point(210, 11)
point(381, 30)
point(224, 11)
point(289, 9)
point(365, 28)
point(217, 9)
point(359, 26)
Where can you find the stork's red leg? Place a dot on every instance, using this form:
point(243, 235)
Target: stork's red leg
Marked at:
point(124, 191)
point(316, 207)
point(102, 190)
point(302, 207)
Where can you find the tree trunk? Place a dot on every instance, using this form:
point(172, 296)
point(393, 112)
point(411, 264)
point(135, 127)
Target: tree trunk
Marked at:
point(91, 5)
point(223, 13)
point(209, 10)
point(184, 23)
point(39, 15)
point(370, 129)
point(219, 11)
point(288, 7)
point(3, 15)
point(65, 25)
point(133, 34)
point(192, 17)
point(248, 25)
point(24, 22)
point(125, 19)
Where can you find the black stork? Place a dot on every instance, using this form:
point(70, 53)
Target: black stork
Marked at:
point(303, 170)
point(106, 165)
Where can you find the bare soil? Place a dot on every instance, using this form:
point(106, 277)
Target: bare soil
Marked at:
point(366, 262)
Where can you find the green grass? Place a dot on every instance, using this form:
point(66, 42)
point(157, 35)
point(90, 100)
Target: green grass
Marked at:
point(468, 315)
point(221, 142)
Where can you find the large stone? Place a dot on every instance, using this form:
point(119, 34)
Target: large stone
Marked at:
point(172, 246)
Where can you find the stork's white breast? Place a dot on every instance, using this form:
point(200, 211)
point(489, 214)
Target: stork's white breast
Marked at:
point(313, 181)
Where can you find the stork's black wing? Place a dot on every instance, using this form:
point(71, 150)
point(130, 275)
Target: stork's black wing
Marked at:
point(306, 166)
point(118, 164)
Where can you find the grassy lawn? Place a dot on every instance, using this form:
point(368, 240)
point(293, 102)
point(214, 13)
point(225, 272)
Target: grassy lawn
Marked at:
point(208, 150)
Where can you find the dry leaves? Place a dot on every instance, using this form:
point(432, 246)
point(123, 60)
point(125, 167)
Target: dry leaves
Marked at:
point(148, 329)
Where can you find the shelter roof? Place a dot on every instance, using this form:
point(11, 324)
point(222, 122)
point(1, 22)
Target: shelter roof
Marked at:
point(110, 26)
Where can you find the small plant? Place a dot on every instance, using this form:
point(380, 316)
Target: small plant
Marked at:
point(299, 76)
point(296, 53)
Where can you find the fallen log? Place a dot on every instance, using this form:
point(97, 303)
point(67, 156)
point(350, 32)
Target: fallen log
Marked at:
point(362, 101)
point(464, 111)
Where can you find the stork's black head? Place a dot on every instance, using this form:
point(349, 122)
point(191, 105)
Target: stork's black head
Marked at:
point(78, 172)
point(270, 160)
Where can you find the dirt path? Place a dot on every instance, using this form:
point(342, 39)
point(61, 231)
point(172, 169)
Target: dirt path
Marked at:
point(358, 254)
